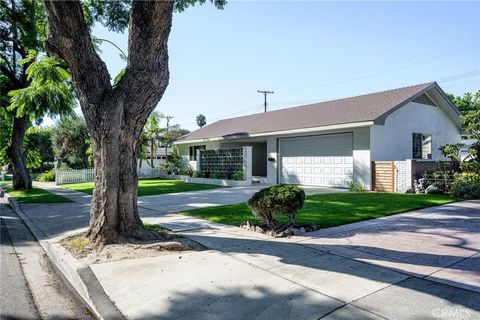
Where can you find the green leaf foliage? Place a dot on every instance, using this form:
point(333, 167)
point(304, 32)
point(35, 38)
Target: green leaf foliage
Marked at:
point(282, 199)
point(70, 140)
point(469, 106)
point(48, 176)
point(50, 90)
point(38, 147)
point(467, 186)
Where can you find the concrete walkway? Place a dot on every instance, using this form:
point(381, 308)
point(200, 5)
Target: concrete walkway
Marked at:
point(418, 265)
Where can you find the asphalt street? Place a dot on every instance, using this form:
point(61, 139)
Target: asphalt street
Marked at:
point(29, 287)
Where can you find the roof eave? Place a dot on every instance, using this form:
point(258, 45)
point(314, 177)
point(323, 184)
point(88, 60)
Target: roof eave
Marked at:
point(381, 119)
point(341, 126)
point(434, 85)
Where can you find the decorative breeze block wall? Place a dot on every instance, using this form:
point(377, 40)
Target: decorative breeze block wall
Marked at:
point(226, 161)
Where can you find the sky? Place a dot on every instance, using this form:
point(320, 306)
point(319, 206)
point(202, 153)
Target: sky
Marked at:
point(307, 52)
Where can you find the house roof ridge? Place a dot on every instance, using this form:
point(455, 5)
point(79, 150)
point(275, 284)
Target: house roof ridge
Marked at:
point(426, 84)
point(364, 107)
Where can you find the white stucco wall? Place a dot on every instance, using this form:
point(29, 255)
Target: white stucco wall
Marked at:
point(361, 157)
point(184, 151)
point(393, 141)
point(272, 165)
point(361, 154)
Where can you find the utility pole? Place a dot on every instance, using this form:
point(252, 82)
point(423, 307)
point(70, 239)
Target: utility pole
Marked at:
point(166, 132)
point(265, 95)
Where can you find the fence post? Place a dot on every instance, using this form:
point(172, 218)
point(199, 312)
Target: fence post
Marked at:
point(409, 173)
point(392, 175)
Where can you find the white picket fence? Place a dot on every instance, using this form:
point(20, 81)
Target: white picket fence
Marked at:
point(74, 176)
point(149, 172)
point(86, 175)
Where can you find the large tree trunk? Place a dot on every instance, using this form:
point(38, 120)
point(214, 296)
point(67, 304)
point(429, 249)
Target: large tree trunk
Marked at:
point(21, 177)
point(114, 211)
point(115, 116)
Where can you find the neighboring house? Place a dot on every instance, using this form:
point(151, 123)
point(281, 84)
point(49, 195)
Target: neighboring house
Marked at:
point(334, 143)
point(465, 150)
point(159, 158)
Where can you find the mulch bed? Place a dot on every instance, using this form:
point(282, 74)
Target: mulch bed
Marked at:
point(280, 230)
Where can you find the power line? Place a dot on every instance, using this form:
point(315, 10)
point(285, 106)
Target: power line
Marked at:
point(460, 76)
point(456, 77)
point(326, 82)
point(265, 95)
point(375, 74)
point(287, 104)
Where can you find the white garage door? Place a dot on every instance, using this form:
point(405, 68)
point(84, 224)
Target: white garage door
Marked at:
point(325, 160)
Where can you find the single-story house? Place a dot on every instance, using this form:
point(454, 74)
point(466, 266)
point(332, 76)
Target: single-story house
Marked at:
point(161, 156)
point(334, 143)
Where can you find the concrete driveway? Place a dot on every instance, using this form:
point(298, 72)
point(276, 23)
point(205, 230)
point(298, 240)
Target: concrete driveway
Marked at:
point(441, 244)
point(416, 265)
point(175, 202)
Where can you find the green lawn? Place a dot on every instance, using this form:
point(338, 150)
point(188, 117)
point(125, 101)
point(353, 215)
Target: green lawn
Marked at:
point(36, 195)
point(329, 210)
point(148, 187)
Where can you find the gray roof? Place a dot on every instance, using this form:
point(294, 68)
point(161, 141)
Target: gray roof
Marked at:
point(369, 107)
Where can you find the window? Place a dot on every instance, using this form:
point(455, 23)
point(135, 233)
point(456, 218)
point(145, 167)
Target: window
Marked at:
point(422, 146)
point(193, 151)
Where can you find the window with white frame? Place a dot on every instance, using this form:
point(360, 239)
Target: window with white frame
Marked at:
point(193, 151)
point(422, 146)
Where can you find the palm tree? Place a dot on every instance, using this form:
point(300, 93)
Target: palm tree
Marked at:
point(201, 120)
point(142, 149)
point(153, 133)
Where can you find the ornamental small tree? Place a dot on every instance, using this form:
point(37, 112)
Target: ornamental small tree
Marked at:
point(285, 200)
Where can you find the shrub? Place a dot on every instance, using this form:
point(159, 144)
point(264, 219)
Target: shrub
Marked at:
point(357, 187)
point(238, 175)
point(283, 199)
point(216, 175)
point(432, 189)
point(467, 186)
point(439, 179)
point(197, 174)
point(48, 176)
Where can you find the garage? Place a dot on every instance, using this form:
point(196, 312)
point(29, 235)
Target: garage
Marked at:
point(321, 160)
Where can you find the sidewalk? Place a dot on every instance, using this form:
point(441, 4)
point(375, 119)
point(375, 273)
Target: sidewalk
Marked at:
point(246, 275)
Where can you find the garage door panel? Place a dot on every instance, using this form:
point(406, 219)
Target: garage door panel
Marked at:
point(325, 160)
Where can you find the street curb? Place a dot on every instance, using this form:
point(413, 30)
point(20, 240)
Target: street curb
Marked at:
point(79, 275)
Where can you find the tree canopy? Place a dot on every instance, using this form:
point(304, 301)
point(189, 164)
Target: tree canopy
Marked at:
point(469, 107)
point(71, 142)
point(33, 85)
point(116, 113)
point(201, 120)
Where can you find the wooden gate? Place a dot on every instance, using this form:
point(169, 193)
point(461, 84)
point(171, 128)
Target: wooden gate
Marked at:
point(383, 176)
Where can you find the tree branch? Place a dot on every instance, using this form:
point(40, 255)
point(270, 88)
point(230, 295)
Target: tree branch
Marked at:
point(10, 75)
point(147, 68)
point(69, 38)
